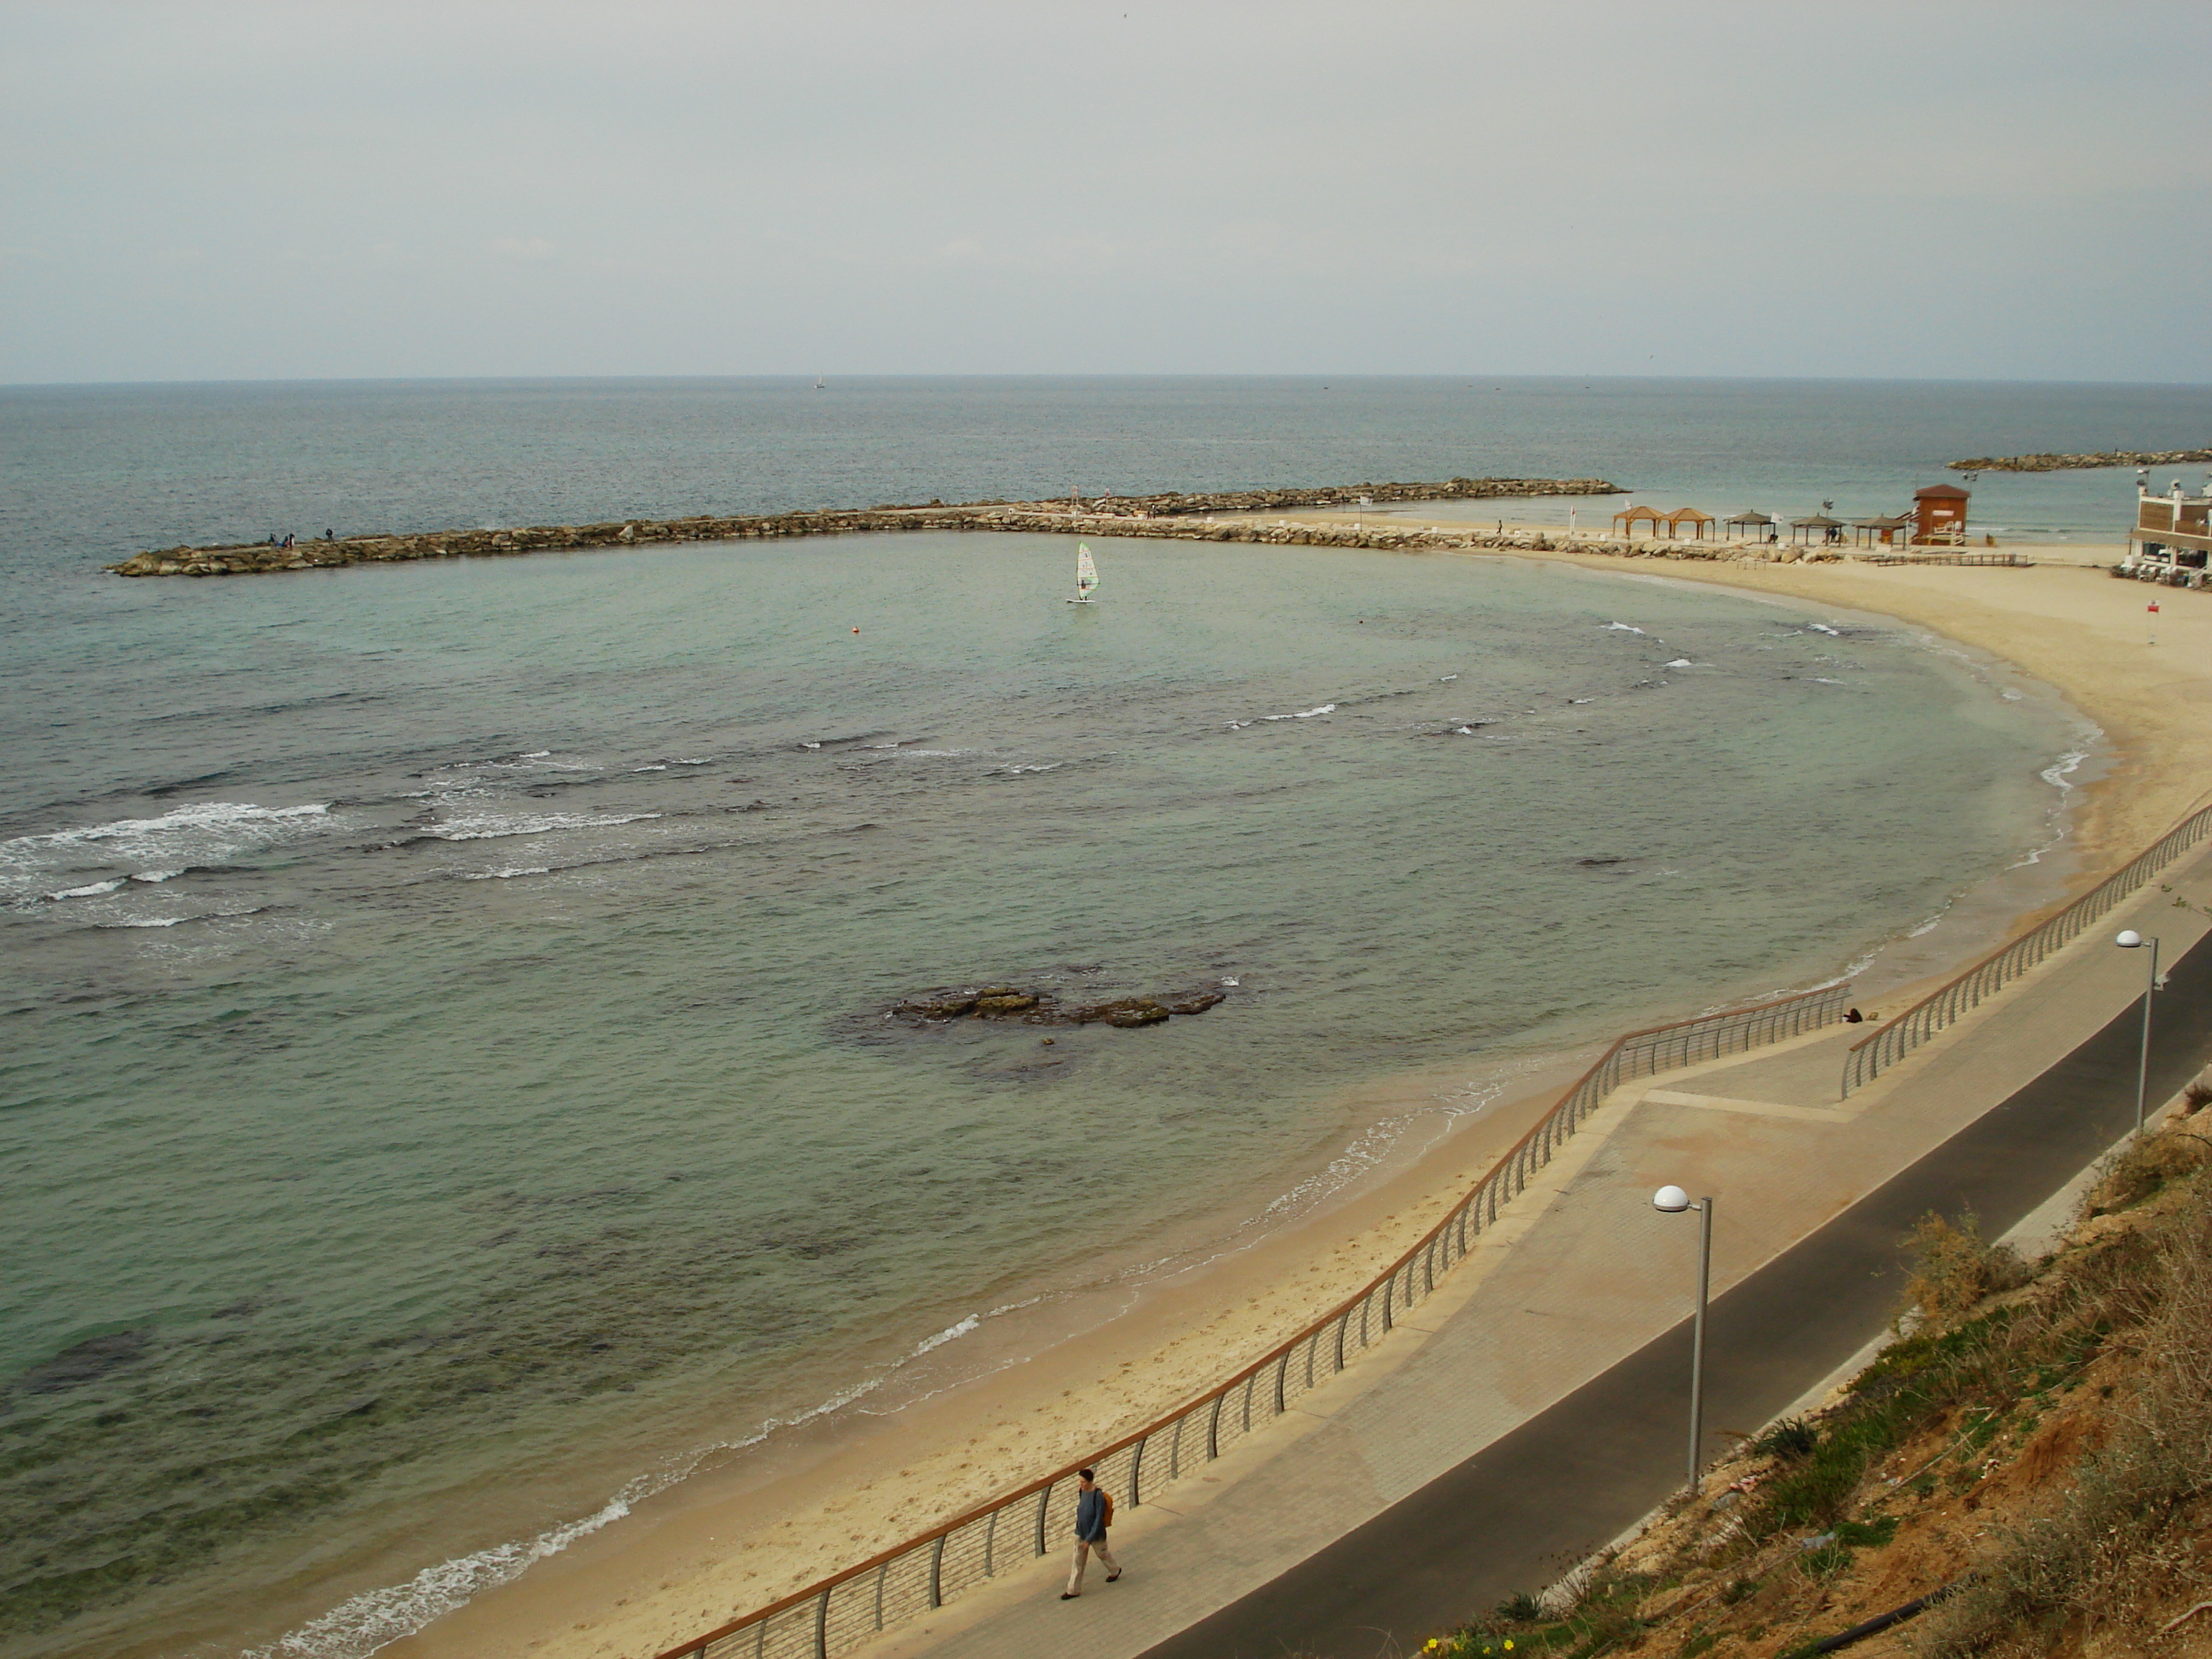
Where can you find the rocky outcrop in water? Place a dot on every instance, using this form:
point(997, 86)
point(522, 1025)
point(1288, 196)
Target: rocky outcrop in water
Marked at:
point(1170, 516)
point(1014, 1002)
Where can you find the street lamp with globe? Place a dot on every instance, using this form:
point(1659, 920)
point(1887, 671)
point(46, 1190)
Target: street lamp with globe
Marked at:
point(2131, 940)
point(1673, 1200)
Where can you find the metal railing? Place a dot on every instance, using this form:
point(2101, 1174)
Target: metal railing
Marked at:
point(834, 1616)
point(1871, 1056)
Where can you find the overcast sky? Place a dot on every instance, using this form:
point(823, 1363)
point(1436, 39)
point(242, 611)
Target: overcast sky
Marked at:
point(277, 191)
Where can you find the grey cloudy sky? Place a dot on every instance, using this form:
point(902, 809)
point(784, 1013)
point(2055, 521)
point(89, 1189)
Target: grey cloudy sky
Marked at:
point(268, 190)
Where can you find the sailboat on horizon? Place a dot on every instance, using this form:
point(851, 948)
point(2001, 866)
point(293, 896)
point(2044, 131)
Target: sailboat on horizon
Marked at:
point(1086, 575)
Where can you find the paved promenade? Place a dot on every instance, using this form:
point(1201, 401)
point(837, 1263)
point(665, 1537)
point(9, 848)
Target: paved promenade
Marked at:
point(1536, 1405)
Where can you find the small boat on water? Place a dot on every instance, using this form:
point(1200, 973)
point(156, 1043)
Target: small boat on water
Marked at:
point(1086, 575)
point(819, 387)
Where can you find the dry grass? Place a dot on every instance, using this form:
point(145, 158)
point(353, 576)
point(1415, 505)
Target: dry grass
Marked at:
point(1952, 1269)
point(2125, 1541)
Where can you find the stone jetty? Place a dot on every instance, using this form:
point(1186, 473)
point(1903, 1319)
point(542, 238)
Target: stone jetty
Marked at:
point(2072, 463)
point(1172, 516)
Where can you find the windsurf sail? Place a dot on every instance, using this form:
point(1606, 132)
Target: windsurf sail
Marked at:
point(1086, 574)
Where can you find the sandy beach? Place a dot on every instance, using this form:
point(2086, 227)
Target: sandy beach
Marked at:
point(734, 1537)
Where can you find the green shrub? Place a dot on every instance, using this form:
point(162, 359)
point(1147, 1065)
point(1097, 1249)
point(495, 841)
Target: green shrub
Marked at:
point(1792, 1438)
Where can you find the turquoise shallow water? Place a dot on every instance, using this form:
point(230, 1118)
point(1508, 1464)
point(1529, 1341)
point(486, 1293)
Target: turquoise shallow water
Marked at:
point(450, 1082)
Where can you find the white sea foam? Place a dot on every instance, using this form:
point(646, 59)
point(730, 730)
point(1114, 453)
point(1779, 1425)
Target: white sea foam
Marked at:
point(507, 875)
point(361, 1625)
point(663, 767)
point(1822, 679)
point(1623, 628)
point(2057, 773)
point(172, 921)
point(375, 1619)
point(949, 1333)
point(1681, 662)
point(1446, 679)
point(156, 875)
point(490, 826)
point(1015, 771)
point(1305, 714)
point(1239, 725)
point(92, 891)
point(214, 815)
point(206, 832)
point(810, 746)
point(1823, 628)
point(1575, 700)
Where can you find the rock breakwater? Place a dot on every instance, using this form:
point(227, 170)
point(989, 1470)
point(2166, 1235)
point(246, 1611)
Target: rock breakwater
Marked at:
point(2072, 463)
point(1173, 516)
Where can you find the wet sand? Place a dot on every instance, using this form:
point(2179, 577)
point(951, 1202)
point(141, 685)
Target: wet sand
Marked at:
point(735, 1537)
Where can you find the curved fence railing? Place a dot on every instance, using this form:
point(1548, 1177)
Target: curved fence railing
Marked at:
point(1873, 1055)
point(838, 1614)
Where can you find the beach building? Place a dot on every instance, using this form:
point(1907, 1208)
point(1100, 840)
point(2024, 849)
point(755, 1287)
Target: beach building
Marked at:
point(2172, 537)
point(1939, 516)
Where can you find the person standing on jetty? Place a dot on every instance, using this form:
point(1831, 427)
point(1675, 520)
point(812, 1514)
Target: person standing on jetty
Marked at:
point(1094, 1513)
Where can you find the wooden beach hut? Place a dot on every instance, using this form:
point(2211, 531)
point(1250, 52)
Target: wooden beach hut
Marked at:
point(1625, 523)
point(1690, 516)
point(1939, 514)
point(1752, 527)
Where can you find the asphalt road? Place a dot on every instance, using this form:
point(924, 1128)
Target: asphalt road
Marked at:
point(1523, 1509)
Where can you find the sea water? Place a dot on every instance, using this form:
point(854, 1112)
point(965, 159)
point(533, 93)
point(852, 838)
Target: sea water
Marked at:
point(451, 1087)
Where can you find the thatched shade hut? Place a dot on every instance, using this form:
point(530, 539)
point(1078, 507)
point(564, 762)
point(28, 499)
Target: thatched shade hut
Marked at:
point(1871, 533)
point(1801, 530)
point(1754, 526)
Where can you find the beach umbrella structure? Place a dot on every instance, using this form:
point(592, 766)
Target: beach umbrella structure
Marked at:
point(1754, 526)
point(1801, 530)
point(1879, 532)
point(1695, 520)
point(1625, 522)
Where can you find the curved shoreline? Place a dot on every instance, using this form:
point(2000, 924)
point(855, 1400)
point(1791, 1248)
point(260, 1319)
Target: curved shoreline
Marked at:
point(1364, 1231)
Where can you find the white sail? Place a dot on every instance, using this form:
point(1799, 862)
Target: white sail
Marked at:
point(1086, 574)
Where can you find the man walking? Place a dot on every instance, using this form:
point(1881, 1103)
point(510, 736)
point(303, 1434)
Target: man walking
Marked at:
point(1094, 1513)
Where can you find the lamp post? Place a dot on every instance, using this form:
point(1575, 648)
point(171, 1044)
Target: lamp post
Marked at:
point(1673, 1200)
point(2131, 940)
